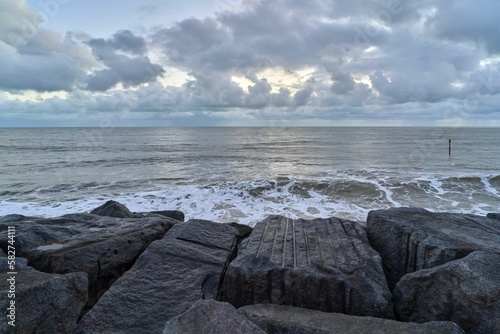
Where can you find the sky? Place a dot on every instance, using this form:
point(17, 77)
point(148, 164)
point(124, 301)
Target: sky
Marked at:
point(249, 63)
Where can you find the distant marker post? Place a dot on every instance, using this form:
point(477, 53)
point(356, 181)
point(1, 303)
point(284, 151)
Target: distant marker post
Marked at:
point(449, 146)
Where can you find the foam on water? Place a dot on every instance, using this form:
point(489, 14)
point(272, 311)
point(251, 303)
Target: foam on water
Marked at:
point(249, 202)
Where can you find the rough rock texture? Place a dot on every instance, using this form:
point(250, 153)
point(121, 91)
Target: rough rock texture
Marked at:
point(276, 319)
point(322, 264)
point(112, 209)
point(465, 291)
point(45, 303)
point(185, 266)
point(493, 215)
point(103, 247)
point(244, 230)
point(211, 317)
point(177, 215)
point(410, 239)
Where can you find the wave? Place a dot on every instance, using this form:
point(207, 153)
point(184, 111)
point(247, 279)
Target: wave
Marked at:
point(349, 195)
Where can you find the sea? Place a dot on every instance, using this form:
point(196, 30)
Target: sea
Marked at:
point(243, 175)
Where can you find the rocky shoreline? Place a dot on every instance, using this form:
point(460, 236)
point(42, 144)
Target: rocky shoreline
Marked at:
point(115, 271)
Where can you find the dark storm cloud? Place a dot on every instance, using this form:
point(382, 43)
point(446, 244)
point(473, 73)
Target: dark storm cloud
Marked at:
point(41, 65)
point(121, 68)
point(123, 40)
point(462, 20)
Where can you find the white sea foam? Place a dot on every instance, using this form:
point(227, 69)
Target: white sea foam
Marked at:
point(250, 202)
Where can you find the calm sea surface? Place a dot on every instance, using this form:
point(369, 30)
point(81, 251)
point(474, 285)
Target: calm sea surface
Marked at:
point(245, 174)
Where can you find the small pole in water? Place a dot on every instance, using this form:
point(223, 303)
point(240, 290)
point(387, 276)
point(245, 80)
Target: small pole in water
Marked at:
point(449, 146)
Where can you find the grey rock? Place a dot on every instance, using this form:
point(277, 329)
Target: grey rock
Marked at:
point(103, 247)
point(112, 209)
point(211, 317)
point(183, 267)
point(322, 264)
point(174, 214)
point(493, 215)
point(276, 319)
point(2, 253)
point(465, 291)
point(44, 303)
point(410, 239)
point(244, 230)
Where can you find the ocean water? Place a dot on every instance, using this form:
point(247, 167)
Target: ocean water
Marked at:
point(245, 174)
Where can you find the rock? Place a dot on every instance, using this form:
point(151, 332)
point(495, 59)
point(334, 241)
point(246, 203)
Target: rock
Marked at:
point(44, 303)
point(183, 267)
point(103, 247)
point(465, 291)
point(210, 316)
point(322, 264)
point(177, 215)
point(244, 230)
point(493, 215)
point(112, 209)
point(2, 253)
point(274, 319)
point(410, 239)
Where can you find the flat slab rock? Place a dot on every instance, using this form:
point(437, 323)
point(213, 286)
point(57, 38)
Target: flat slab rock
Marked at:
point(174, 272)
point(45, 303)
point(322, 264)
point(102, 247)
point(465, 291)
point(410, 239)
point(275, 319)
point(210, 316)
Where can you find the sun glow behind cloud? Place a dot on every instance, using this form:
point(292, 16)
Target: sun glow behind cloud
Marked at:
point(235, 61)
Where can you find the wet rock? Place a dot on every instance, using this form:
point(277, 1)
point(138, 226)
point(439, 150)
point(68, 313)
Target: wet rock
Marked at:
point(410, 239)
point(244, 230)
point(274, 319)
point(322, 264)
point(44, 303)
point(183, 267)
point(174, 214)
point(112, 209)
point(102, 247)
point(493, 215)
point(210, 316)
point(465, 291)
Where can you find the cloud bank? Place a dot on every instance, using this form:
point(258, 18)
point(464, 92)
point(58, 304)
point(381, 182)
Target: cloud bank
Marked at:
point(288, 62)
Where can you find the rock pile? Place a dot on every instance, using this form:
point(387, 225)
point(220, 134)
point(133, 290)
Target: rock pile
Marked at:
point(115, 271)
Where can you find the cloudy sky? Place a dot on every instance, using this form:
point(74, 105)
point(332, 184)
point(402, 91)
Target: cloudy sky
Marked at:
point(249, 62)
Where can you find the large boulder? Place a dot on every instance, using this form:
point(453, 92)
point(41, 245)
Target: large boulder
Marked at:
point(44, 303)
point(210, 316)
point(112, 209)
point(183, 267)
point(276, 319)
point(102, 247)
point(465, 291)
point(322, 264)
point(410, 239)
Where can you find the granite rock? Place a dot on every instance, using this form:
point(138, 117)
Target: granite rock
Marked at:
point(493, 215)
point(112, 209)
point(465, 291)
point(44, 303)
point(322, 264)
point(211, 317)
point(184, 266)
point(102, 247)
point(410, 239)
point(276, 319)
